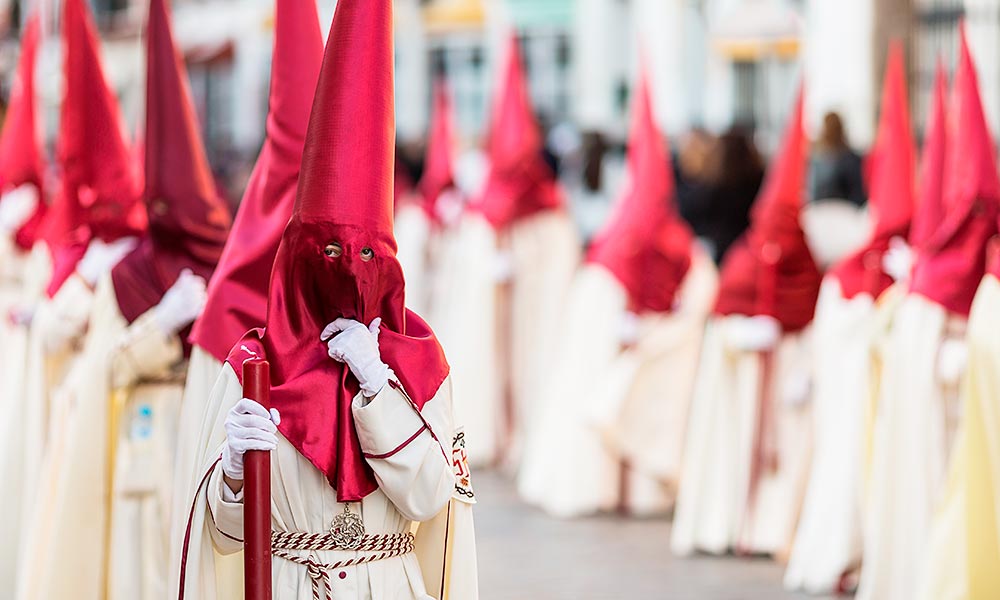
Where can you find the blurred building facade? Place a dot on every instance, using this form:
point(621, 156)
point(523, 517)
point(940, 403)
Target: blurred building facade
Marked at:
point(715, 62)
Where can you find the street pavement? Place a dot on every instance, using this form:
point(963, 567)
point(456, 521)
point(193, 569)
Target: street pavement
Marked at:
point(525, 555)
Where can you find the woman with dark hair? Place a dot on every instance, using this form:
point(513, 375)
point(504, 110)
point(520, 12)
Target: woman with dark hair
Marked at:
point(719, 212)
point(835, 172)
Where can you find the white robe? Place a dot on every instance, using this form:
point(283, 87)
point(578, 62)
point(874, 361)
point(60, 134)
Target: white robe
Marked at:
point(912, 439)
point(632, 404)
point(65, 548)
point(413, 231)
point(544, 251)
point(964, 543)
point(715, 511)
point(416, 480)
point(195, 432)
point(828, 540)
point(25, 278)
point(464, 318)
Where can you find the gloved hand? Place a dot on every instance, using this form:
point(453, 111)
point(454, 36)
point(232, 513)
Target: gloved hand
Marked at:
point(102, 256)
point(449, 207)
point(953, 357)
point(503, 267)
point(182, 303)
point(628, 333)
point(248, 427)
point(352, 343)
point(897, 262)
point(753, 334)
point(17, 205)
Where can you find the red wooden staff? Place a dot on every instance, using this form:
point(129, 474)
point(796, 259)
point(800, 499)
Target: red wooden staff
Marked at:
point(257, 493)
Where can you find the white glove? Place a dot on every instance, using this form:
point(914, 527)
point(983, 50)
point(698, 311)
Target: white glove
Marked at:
point(753, 334)
point(352, 343)
point(17, 205)
point(102, 256)
point(897, 262)
point(953, 357)
point(503, 267)
point(182, 303)
point(628, 333)
point(248, 427)
point(449, 207)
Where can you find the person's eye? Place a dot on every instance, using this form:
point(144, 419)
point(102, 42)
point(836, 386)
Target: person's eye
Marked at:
point(367, 254)
point(333, 250)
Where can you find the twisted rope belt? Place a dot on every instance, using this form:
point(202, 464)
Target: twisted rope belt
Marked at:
point(379, 547)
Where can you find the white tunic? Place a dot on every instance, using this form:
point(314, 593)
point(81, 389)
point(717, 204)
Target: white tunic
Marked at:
point(913, 435)
point(416, 480)
point(716, 511)
point(828, 540)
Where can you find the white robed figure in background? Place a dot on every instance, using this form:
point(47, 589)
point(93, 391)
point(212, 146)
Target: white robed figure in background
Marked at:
point(624, 368)
point(925, 354)
point(748, 443)
point(507, 272)
point(846, 331)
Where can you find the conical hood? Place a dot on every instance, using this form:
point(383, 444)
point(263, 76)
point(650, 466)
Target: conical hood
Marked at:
point(188, 221)
point(438, 166)
point(237, 294)
point(20, 152)
point(101, 188)
point(645, 244)
point(519, 183)
point(776, 211)
point(770, 270)
point(350, 180)
point(337, 257)
point(181, 196)
point(892, 183)
point(21, 158)
point(951, 264)
point(930, 211)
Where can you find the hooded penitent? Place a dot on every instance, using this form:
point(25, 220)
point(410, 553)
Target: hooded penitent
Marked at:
point(770, 270)
point(951, 262)
point(892, 183)
point(337, 257)
point(188, 222)
point(646, 245)
point(100, 192)
point(519, 183)
point(438, 166)
point(21, 159)
point(237, 295)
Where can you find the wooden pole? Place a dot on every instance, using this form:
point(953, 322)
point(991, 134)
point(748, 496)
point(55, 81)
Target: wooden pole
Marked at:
point(257, 494)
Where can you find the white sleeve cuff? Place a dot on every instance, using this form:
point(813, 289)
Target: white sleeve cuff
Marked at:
point(386, 423)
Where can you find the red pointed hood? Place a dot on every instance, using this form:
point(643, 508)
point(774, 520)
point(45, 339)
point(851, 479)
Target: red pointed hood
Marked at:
point(100, 195)
point(646, 245)
point(337, 257)
point(188, 222)
point(21, 157)
point(929, 213)
point(892, 186)
point(519, 183)
point(439, 174)
point(237, 294)
point(770, 270)
point(952, 262)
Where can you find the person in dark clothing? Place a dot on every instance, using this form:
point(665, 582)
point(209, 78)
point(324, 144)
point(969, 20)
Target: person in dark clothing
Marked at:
point(718, 210)
point(836, 170)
